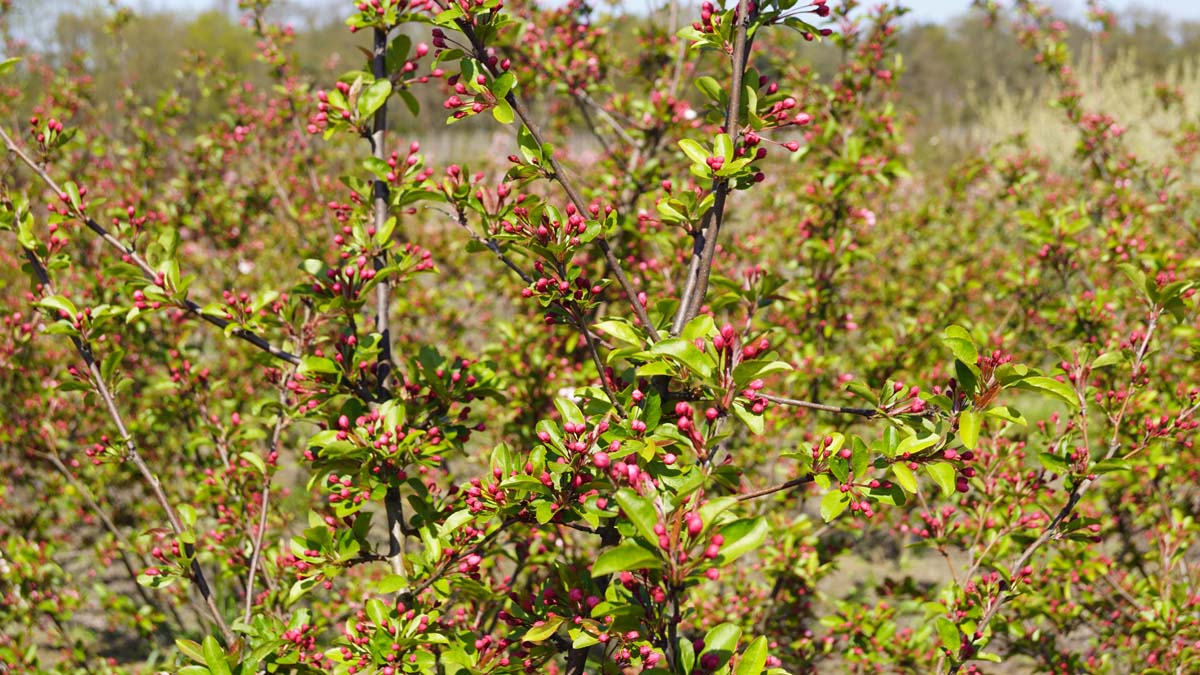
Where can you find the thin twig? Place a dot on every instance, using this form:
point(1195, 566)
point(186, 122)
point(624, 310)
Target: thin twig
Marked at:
point(492, 246)
point(797, 403)
point(256, 542)
point(585, 102)
point(1052, 530)
point(591, 345)
point(795, 482)
point(123, 544)
point(128, 252)
point(560, 175)
point(131, 453)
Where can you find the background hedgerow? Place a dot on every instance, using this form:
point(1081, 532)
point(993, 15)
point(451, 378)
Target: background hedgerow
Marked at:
point(497, 338)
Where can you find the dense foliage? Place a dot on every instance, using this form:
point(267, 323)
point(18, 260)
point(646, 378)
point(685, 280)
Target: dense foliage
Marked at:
point(687, 367)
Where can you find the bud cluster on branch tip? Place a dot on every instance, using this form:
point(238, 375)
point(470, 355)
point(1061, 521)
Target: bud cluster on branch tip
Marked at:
point(47, 135)
point(342, 107)
point(390, 13)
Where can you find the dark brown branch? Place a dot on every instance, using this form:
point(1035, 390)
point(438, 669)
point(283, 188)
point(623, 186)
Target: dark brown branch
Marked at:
point(704, 245)
point(795, 482)
point(393, 504)
point(380, 195)
point(797, 403)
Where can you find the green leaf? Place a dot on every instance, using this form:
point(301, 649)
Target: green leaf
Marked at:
point(668, 212)
point(543, 512)
point(742, 536)
point(214, 656)
point(961, 344)
point(384, 234)
point(905, 477)
point(1008, 414)
point(1049, 385)
point(318, 364)
point(59, 304)
point(410, 101)
point(569, 411)
point(392, 583)
point(1107, 359)
point(969, 423)
point(753, 659)
point(860, 459)
point(455, 521)
point(621, 331)
point(833, 504)
point(191, 649)
point(747, 417)
point(72, 191)
point(694, 151)
point(377, 612)
point(687, 654)
point(504, 84)
point(543, 632)
point(723, 147)
point(913, 444)
point(686, 353)
point(710, 87)
point(943, 475)
point(640, 511)
point(863, 391)
point(1054, 463)
point(722, 638)
point(8, 64)
point(715, 507)
point(255, 461)
point(628, 555)
point(503, 112)
point(752, 370)
point(374, 97)
point(187, 515)
point(580, 639)
point(1135, 274)
point(700, 327)
point(948, 634)
point(1111, 465)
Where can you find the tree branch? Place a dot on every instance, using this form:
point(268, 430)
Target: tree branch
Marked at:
point(128, 252)
point(131, 453)
point(795, 482)
point(795, 402)
point(704, 244)
point(123, 543)
point(1080, 488)
point(560, 175)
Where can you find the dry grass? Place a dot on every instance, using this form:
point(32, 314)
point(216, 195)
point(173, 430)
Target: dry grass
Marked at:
point(1117, 87)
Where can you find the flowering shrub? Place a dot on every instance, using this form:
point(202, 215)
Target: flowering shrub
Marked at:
point(726, 388)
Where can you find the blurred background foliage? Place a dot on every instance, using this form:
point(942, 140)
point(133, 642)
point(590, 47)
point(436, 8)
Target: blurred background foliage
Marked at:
point(967, 84)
